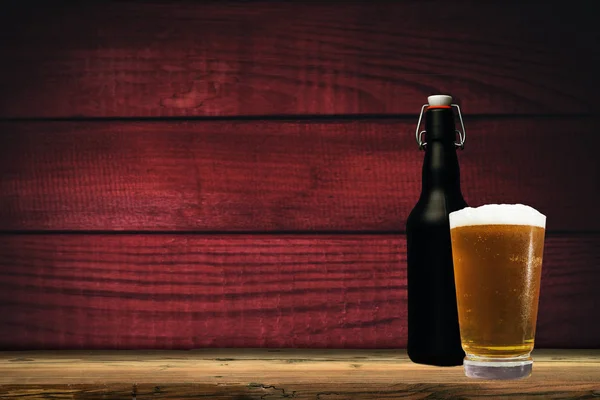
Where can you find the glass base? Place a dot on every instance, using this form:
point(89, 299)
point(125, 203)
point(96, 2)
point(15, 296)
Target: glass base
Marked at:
point(498, 368)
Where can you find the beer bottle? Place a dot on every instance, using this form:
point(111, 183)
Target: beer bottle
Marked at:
point(433, 333)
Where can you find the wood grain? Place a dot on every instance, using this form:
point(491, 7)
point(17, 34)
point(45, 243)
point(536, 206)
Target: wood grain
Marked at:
point(276, 374)
point(190, 291)
point(164, 58)
point(274, 176)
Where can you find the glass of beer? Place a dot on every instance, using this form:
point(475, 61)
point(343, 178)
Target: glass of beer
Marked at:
point(497, 251)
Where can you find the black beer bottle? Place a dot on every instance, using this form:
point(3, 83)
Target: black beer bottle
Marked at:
point(433, 333)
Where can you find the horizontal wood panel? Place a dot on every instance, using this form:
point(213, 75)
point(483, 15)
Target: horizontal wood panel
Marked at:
point(191, 291)
point(281, 176)
point(164, 58)
point(254, 374)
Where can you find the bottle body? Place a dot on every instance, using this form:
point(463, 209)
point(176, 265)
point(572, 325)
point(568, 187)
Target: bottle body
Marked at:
point(433, 330)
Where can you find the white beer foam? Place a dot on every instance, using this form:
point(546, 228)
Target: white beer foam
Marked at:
point(498, 214)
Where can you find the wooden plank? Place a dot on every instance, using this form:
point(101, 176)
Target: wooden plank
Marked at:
point(281, 175)
point(190, 291)
point(164, 58)
point(299, 374)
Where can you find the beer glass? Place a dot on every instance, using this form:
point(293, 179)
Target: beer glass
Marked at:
point(497, 251)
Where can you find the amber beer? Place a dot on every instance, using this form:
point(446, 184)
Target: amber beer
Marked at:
point(497, 252)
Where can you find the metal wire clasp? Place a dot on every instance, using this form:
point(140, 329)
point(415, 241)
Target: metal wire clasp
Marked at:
point(462, 136)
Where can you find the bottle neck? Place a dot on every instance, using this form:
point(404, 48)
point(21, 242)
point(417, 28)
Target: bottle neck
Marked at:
point(440, 168)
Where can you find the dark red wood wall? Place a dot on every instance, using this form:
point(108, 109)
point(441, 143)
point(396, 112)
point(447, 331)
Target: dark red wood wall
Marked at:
point(180, 174)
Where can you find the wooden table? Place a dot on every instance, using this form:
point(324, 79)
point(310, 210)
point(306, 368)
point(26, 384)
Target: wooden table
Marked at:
point(275, 374)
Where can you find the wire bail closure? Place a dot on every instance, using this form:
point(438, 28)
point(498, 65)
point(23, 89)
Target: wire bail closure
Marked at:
point(461, 135)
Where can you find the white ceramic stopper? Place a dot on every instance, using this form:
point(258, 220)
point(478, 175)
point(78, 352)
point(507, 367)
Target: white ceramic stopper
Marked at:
point(439, 100)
